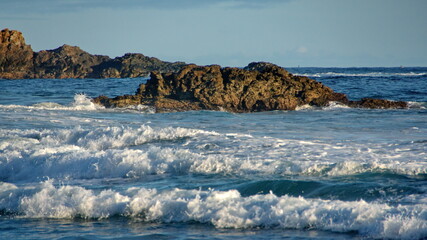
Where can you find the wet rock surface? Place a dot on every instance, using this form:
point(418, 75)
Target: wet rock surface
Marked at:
point(377, 104)
point(258, 87)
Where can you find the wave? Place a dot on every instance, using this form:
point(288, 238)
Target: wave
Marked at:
point(102, 152)
point(338, 188)
point(417, 105)
point(222, 209)
point(367, 74)
point(339, 106)
point(81, 102)
point(331, 106)
point(129, 152)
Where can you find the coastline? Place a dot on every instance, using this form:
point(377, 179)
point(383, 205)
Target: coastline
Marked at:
point(176, 86)
point(19, 61)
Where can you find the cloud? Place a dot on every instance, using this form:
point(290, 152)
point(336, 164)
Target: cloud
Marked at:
point(302, 50)
point(12, 7)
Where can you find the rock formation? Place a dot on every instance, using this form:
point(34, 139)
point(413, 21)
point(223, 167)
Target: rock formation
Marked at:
point(65, 62)
point(377, 104)
point(15, 55)
point(133, 65)
point(175, 86)
point(17, 60)
point(257, 87)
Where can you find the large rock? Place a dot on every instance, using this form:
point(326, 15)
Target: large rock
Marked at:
point(257, 87)
point(15, 55)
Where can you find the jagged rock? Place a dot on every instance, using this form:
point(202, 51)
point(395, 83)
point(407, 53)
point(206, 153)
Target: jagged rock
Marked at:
point(17, 60)
point(65, 62)
point(267, 87)
point(15, 55)
point(257, 87)
point(120, 101)
point(133, 65)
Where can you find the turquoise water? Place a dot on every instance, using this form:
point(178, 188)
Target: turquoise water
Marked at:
point(72, 170)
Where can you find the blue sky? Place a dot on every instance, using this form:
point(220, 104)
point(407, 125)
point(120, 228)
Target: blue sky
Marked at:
point(322, 33)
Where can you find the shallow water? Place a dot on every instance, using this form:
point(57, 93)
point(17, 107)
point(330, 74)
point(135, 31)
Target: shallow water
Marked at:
point(73, 170)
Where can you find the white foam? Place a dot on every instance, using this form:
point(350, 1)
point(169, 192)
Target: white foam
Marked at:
point(304, 107)
point(101, 152)
point(417, 105)
point(105, 152)
point(81, 102)
point(101, 137)
point(332, 105)
point(367, 74)
point(225, 209)
point(46, 105)
point(335, 105)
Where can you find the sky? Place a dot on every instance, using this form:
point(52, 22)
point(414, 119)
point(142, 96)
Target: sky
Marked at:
point(290, 33)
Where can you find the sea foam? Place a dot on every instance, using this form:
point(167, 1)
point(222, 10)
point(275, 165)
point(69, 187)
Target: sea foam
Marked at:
point(365, 74)
point(118, 151)
point(81, 102)
point(102, 152)
point(223, 209)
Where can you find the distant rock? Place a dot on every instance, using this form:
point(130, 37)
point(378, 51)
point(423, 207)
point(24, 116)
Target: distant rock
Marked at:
point(133, 65)
point(258, 87)
point(17, 60)
point(65, 62)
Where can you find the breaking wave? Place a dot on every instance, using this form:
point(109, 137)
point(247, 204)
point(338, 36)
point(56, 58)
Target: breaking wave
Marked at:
point(79, 153)
point(110, 152)
point(365, 74)
point(222, 209)
point(81, 102)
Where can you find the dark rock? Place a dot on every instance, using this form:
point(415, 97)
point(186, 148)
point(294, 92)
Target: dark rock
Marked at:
point(378, 104)
point(133, 65)
point(17, 60)
point(65, 62)
point(176, 86)
point(264, 87)
point(120, 101)
point(257, 87)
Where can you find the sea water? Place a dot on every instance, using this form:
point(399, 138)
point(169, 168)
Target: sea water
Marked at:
point(72, 170)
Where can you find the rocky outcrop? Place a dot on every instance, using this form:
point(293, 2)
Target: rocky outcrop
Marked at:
point(17, 60)
point(176, 86)
point(257, 87)
point(15, 55)
point(377, 104)
point(133, 65)
point(65, 62)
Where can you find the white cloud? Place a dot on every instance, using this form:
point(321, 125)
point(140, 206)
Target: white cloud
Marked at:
point(302, 50)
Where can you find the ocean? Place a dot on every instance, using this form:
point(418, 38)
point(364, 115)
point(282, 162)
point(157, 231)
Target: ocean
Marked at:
point(73, 170)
